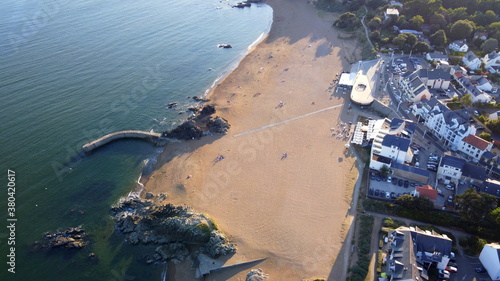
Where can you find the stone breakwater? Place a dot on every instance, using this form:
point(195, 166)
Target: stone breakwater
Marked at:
point(155, 138)
point(177, 231)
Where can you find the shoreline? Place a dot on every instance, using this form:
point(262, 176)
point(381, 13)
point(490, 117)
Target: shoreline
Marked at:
point(293, 211)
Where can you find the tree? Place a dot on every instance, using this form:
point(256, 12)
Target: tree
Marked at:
point(494, 125)
point(417, 21)
point(347, 19)
point(461, 29)
point(485, 136)
point(473, 207)
point(438, 19)
point(438, 38)
point(375, 35)
point(489, 45)
point(466, 100)
point(496, 215)
point(421, 47)
point(384, 171)
point(415, 203)
point(375, 23)
point(405, 41)
point(458, 14)
point(484, 19)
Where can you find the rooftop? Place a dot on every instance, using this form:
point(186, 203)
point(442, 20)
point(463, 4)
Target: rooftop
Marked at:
point(476, 141)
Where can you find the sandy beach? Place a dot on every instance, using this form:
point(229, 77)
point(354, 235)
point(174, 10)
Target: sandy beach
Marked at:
point(279, 101)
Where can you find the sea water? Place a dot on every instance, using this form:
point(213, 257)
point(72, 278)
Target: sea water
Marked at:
point(73, 71)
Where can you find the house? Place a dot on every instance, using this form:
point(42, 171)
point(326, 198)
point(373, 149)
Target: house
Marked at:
point(436, 57)
point(494, 115)
point(412, 250)
point(474, 147)
point(471, 60)
point(483, 84)
point(457, 69)
point(390, 141)
point(492, 62)
point(483, 35)
point(427, 191)
point(391, 12)
point(477, 95)
point(410, 172)
point(473, 174)
point(412, 87)
point(490, 258)
point(491, 187)
point(411, 31)
point(450, 169)
point(459, 46)
point(395, 3)
point(448, 126)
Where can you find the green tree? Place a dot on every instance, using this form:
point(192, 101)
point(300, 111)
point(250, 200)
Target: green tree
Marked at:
point(485, 136)
point(438, 38)
point(384, 171)
point(484, 19)
point(416, 22)
point(405, 41)
point(375, 35)
point(458, 14)
point(438, 19)
point(421, 47)
point(466, 100)
point(347, 19)
point(375, 23)
point(495, 214)
point(489, 45)
point(473, 207)
point(461, 29)
point(494, 125)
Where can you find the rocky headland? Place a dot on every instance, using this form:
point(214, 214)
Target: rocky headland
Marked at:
point(178, 231)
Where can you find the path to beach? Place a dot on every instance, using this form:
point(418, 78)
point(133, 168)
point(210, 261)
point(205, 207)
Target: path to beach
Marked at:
point(283, 189)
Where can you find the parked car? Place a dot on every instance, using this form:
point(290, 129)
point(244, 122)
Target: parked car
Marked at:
point(393, 195)
point(444, 273)
point(451, 269)
point(370, 191)
point(377, 192)
point(450, 199)
point(389, 179)
point(400, 182)
point(449, 187)
point(387, 195)
point(480, 270)
point(394, 181)
point(406, 184)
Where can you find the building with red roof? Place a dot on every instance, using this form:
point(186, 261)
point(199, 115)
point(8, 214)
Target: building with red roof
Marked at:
point(474, 147)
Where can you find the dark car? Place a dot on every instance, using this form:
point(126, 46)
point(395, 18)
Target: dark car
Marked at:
point(377, 192)
point(406, 184)
point(382, 194)
point(480, 270)
point(370, 191)
point(378, 178)
point(393, 195)
point(395, 181)
point(400, 182)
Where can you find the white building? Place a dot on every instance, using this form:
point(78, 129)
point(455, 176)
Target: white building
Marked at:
point(492, 62)
point(477, 95)
point(471, 60)
point(459, 46)
point(436, 56)
point(474, 147)
point(448, 126)
point(390, 12)
point(391, 142)
point(450, 169)
point(490, 258)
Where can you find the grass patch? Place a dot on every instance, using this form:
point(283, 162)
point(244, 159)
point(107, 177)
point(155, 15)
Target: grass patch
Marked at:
point(455, 105)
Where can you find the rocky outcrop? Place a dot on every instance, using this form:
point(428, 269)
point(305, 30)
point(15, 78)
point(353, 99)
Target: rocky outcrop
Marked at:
point(256, 275)
point(218, 125)
point(71, 238)
point(207, 110)
point(186, 131)
point(178, 230)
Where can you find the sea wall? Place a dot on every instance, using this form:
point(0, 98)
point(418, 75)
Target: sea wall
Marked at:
point(155, 138)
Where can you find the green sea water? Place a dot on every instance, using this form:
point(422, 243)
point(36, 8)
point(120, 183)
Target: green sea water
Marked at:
point(72, 71)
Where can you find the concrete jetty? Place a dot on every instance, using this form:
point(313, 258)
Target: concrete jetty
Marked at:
point(155, 138)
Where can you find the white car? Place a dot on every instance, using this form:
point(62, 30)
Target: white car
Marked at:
point(444, 273)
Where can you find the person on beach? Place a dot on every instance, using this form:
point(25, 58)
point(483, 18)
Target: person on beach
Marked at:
point(284, 156)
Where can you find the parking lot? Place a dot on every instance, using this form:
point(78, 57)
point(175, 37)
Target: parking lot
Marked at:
point(390, 188)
